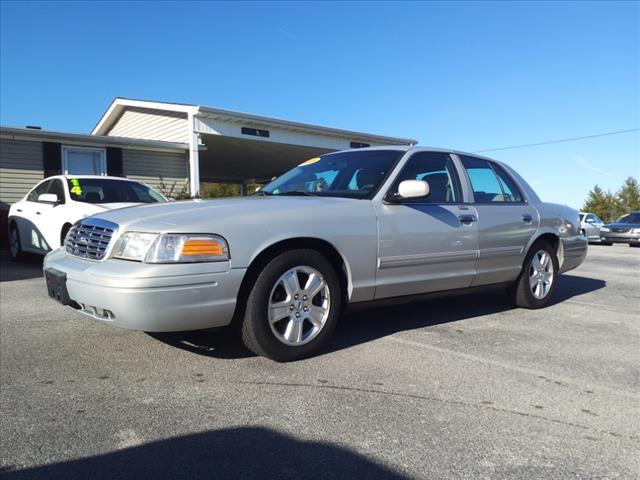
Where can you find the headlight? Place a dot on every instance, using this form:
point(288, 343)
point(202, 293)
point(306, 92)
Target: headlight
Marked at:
point(185, 248)
point(635, 230)
point(171, 248)
point(134, 245)
point(604, 229)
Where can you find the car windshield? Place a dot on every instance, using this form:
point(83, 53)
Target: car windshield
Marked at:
point(629, 218)
point(108, 190)
point(355, 174)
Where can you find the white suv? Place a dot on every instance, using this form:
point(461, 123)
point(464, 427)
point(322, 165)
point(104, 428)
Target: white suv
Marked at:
point(40, 221)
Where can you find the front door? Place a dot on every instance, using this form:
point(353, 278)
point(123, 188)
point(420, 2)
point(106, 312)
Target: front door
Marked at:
point(506, 221)
point(426, 244)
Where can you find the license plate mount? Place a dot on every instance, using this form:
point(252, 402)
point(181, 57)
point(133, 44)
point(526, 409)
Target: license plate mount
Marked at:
point(57, 286)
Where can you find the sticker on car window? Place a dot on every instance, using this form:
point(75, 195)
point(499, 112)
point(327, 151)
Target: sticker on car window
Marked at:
point(76, 189)
point(311, 161)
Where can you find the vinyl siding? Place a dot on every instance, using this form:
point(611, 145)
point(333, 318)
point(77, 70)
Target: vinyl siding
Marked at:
point(148, 167)
point(151, 125)
point(20, 169)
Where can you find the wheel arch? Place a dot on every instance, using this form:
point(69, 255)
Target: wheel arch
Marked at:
point(63, 231)
point(260, 260)
point(553, 239)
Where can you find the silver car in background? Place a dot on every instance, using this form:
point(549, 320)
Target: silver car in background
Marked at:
point(373, 224)
point(590, 225)
point(626, 229)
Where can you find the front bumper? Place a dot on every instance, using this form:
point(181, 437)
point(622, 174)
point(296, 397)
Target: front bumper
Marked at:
point(151, 298)
point(614, 237)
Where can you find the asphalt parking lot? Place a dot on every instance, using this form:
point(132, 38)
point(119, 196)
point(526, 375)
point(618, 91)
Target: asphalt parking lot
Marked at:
point(465, 387)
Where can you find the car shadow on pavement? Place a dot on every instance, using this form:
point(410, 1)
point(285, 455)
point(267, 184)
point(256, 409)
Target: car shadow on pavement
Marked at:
point(370, 323)
point(28, 267)
point(244, 452)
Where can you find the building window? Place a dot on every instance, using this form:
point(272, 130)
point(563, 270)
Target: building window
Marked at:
point(84, 161)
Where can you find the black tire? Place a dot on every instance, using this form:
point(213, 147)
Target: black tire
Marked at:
point(634, 245)
point(16, 254)
point(256, 332)
point(521, 291)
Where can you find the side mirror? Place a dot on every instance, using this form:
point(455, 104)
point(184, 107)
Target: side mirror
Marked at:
point(48, 198)
point(413, 189)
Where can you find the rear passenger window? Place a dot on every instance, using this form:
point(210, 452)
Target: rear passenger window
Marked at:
point(489, 185)
point(509, 187)
point(438, 171)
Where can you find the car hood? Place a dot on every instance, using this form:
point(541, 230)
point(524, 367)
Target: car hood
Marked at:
point(622, 225)
point(100, 207)
point(206, 215)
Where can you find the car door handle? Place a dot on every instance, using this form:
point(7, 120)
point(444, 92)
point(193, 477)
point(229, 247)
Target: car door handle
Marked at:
point(467, 219)
point(526, 218)
point(19, 209)
point(37, 213)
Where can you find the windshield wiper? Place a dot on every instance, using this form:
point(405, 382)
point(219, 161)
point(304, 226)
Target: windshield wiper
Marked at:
point(262, 193)
point(298, 193)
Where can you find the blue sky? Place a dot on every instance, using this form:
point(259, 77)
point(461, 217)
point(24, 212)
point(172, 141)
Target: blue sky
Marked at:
point(470, 76)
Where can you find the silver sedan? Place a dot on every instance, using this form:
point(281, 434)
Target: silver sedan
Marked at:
point(366, 225)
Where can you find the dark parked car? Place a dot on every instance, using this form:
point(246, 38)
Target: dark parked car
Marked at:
point(624, 230)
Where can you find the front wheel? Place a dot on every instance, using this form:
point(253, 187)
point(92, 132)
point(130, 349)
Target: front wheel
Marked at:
point(293, 306)
point(536, 284)
point(15, 246)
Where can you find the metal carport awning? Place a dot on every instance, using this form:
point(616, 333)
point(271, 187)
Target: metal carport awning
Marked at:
point(238, 160)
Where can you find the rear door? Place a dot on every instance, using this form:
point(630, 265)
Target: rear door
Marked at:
point(31, 236)
point(506, 221)
point(426, 244)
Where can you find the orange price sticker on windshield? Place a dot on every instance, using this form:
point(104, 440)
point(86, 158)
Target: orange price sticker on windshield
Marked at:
point(311, 161)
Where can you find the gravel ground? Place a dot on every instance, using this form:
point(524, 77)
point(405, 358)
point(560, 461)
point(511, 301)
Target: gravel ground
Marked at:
point(465, 387)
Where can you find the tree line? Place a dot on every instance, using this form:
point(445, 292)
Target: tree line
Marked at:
point(609, 206)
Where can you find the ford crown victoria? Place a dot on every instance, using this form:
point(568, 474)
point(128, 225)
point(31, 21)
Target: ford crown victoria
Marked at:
point(342, 229)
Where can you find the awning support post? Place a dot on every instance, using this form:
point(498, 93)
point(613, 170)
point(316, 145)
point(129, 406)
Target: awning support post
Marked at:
point(194, 158)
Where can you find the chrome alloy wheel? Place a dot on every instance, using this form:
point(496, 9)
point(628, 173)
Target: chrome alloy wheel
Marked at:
point(14, 243)
point(299, 306)
point(541, 274)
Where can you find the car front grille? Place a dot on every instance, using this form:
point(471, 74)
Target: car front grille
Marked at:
point(620, 230)
point(90, 238)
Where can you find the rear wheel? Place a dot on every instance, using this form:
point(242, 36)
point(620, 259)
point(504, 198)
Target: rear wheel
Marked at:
point(536, 284)
point(293, 306)
point(15, 246)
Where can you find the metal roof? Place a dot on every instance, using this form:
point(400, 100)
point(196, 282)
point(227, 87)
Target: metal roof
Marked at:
point(119, 104)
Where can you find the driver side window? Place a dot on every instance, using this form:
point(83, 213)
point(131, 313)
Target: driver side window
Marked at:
point(39, 190)
point(437, 169)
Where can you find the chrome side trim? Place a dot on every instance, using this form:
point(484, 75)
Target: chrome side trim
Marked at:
point(500, 251)
point(425, 259)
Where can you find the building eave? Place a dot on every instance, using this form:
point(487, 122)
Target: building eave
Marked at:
point(14, 133)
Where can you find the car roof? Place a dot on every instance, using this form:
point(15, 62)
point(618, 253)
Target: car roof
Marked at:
point(99, 177)
point(415, 148)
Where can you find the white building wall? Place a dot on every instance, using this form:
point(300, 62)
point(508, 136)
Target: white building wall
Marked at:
point(151, 125)
point(278, 135)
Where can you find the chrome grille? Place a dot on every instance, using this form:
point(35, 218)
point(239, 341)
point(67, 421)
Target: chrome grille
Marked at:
point(90, 238)
point(620, 230)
